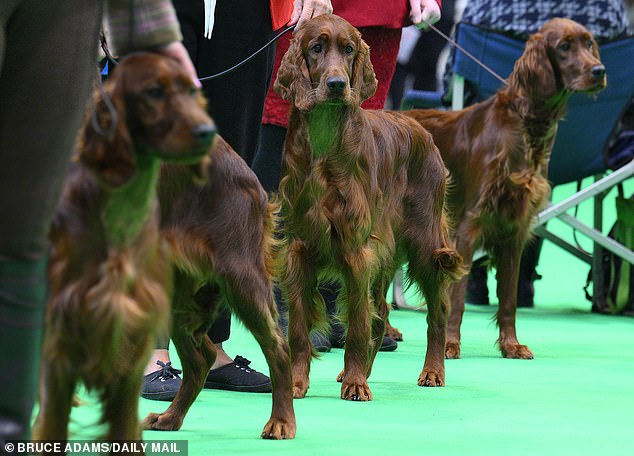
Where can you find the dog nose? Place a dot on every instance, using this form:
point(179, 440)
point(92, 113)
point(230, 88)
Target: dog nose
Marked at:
point(336, 84)
point(204, 133)
point(598, 71)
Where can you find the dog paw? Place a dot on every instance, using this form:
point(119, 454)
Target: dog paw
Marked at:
point(392, 332)
point(452, 350)
point(356, 392)
point(162, 422)
point(341, 376)
point(278, 429)
point(516, 351)
point(299, 390)
point(430, 378)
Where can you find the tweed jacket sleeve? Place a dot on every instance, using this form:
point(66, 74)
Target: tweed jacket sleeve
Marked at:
point(141, 24)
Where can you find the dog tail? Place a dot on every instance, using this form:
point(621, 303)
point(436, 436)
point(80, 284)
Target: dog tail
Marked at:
point(273, 237)
point(450, 263)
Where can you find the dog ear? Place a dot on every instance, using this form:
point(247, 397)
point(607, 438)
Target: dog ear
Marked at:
point(534, 71)
point(292, 82)
point(363, 78)
point(104, 144)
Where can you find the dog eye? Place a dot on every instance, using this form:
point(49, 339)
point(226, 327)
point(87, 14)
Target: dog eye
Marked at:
point(348, 49)
point(590, 44)
point(317, 48)
point(565, 46)
point(155, 92)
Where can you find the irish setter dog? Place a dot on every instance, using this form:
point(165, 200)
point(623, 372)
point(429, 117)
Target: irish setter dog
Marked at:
point(361, 192)
point(206, 244)
point(497, 152)
point(110, 277)
point(221, 237)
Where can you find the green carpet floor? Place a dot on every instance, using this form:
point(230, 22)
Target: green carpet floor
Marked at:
point(575, 398)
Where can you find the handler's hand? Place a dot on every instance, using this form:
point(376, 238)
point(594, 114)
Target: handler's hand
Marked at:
point(307, 9)
point(424, 12)
point(177, 51)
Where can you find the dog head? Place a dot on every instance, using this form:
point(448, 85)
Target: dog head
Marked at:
point(148, 106)
point(562, 57)
point(327, 62)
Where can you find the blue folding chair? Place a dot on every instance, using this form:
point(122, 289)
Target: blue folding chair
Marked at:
point(583, 139)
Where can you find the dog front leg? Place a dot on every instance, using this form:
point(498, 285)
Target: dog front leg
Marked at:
point(56, 396)
point(190, 321)
point(121, 407)
point(379, 324)
point(197, 354)
point(354, 385)
point(507, 258)
point(299, 288)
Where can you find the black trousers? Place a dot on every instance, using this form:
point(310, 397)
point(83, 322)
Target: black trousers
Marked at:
point(47, 64)
point(236, 100)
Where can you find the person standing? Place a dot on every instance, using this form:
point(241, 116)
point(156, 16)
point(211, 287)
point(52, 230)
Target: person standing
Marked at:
point(48, 62)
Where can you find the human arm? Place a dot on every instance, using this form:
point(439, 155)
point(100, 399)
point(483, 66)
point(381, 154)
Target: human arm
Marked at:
point(149, 25)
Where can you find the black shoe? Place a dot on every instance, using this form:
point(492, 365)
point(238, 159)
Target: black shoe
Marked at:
point(237, 376)
point(388, 344)
point(320, 342)
point(477, 289)
point(337, 335)
point(163, 384)
point(526, 291)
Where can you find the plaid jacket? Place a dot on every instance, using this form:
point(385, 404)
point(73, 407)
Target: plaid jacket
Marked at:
point(141, 24)
point(606, 19)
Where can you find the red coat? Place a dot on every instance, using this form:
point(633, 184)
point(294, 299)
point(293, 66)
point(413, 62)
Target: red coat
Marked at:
point(375, 13)
point(387, 16)
point(364, 13)
point(281, 11)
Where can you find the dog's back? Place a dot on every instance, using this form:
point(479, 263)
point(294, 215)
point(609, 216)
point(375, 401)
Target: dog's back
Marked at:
point(479, 156)
point(226, 219)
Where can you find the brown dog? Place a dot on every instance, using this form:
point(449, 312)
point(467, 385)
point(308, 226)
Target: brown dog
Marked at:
point(497, 152)
point(221, 240)
point(109, 272)
point(361, 191)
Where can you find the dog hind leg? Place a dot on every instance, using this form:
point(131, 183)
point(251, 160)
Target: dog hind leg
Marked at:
point(252, 301)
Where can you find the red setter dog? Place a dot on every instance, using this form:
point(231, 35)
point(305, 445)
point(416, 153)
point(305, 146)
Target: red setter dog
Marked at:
point(111, 279)
point(109, 273)
point(361, 192)
point(497, 152)
point(221, 237)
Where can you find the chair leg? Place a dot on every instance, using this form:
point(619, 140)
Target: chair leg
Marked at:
point(597, 253)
